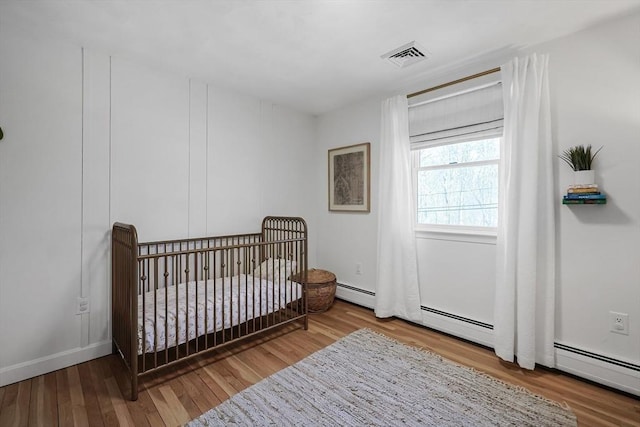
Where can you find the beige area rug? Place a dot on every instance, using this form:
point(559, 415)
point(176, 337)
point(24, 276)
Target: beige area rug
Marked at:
point(366, 379)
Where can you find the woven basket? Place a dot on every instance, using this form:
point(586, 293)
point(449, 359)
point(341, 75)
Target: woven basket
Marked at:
point(321, 290)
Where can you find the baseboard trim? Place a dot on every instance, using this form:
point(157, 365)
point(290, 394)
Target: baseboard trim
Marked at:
point(44, 365)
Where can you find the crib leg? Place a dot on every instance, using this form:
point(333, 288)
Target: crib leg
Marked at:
point(134, 387)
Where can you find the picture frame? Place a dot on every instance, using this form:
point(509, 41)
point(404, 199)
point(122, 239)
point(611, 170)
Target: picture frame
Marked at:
point(350, 178)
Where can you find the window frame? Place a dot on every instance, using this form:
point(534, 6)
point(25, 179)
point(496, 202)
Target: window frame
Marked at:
point(451, 231)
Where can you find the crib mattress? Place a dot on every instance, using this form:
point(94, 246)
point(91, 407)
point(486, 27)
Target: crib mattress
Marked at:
point(226, 301)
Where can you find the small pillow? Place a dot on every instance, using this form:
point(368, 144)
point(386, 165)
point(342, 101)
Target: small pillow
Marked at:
point(275, 270)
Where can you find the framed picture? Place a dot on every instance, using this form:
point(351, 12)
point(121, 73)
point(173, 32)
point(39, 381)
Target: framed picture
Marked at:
point(349, 178)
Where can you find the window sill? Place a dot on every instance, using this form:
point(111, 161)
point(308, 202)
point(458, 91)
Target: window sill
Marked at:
point(455, 234)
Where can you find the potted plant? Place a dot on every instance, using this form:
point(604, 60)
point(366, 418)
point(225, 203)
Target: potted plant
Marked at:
point(580, 158)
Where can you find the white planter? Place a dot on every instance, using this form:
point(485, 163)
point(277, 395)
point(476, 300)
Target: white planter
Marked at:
point(584, 177)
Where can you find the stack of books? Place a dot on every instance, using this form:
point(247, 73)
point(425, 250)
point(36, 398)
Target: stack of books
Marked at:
point(584, 195)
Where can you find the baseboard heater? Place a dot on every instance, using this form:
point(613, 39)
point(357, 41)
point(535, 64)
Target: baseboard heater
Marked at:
point(599, 357)
point(424, 308)
point(456, 317)
point(353, 288)
point(560, 346)
point(627, 384)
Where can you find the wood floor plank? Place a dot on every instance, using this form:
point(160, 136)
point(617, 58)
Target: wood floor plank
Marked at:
point(98, 390)
point(179, 390)
point(119, 404)
point(89, 386)
point(262, 362)
point(50, 398)
point(229, 378)
point(242, 370)
point(8, 409)
point(37, 414)
point(164, 408)
point(2, 392)
point(143, 411)
point(15, 409)
point(217, 392)
point(218, 384)
point(65, 410)
point(78, 408)
point(178, 410)
point(23, 402)
point(287, 353)
point(194, 385)
point(98, 375)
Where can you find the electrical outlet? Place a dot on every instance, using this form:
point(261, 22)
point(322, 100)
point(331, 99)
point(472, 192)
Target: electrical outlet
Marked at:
point(358, 268)
point(619, 323)
point(83, 306)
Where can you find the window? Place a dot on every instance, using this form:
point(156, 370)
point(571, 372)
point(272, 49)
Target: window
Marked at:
point(455, 137)
point(457, 184)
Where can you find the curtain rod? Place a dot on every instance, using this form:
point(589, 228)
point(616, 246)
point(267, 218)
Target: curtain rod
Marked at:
point(463, 79)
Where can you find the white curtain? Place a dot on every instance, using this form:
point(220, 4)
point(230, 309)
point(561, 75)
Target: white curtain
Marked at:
point(525, 286)
point(397, 291)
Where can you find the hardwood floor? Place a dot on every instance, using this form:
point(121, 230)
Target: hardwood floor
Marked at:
point(92, 393)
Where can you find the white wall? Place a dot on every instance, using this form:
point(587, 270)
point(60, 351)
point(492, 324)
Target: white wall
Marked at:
point(595, 77)
point(468, 289)
point(595, 82)
point(91, 139)
point(346, 239)
point(595, 90)
point(149, 150)
point(40, 198)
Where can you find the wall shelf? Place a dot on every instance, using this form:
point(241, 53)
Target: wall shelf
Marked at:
point(584, 202)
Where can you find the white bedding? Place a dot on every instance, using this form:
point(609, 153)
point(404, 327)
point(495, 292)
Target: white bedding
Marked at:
point(230, 297)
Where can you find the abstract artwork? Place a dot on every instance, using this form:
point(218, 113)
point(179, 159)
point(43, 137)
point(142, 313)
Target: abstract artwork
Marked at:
point(349, 176)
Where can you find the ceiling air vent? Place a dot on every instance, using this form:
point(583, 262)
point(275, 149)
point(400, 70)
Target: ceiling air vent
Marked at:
point(406, 55)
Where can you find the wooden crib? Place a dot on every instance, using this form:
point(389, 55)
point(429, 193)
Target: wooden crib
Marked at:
point(174, 299)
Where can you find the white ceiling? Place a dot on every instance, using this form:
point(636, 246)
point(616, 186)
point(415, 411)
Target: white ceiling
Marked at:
point(311, 55)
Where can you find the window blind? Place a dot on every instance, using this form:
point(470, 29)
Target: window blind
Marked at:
point(474, 113)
